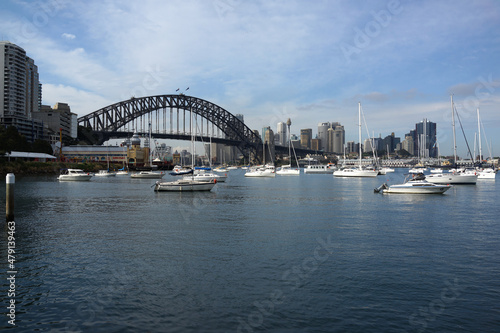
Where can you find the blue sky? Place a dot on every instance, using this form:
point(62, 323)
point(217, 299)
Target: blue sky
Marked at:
point(311, 61)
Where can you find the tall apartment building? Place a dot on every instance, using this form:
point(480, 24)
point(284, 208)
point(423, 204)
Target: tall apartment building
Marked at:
point(306, 137)
point(20, 91)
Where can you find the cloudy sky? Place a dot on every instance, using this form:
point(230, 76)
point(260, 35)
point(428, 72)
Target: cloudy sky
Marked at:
point(311, 61)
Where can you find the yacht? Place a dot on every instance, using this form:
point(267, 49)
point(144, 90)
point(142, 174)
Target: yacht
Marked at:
point(206, 175)
point(486, 173)
point(459, 176)
point(358, 171)
point(261, 171)
point(179, 170)
point(105, 173)
point(148, 175)
point(287, 170)
point(74, 175)
point(415, 185)
point(186, 185)
point(319, 168)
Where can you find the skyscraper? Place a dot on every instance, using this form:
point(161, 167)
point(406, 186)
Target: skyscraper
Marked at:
point(323, 135)
point(425, 139)
point(282, 135)
point(20, 91)
point(306, 137)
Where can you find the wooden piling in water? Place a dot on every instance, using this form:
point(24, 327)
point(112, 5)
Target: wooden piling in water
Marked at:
point(10, 181)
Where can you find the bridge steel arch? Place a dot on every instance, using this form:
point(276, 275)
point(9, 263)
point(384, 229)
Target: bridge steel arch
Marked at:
point(112, 118)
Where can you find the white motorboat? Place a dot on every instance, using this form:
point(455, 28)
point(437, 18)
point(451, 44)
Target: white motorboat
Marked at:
point(287, 170)
point(320, 168)
point(415, 185)
point(105, 173)
point(148, 175)
point(385, 170)
point(486, 173)
point(233, 168)
point(454, 177)
point(358, 171)
point(355, 172)
point(74, 175)
point(417, 170)
point(436, 170)
point(122, 173)
point(206, 176)
point(179, 170)
point(186, 185)
point(220, 169)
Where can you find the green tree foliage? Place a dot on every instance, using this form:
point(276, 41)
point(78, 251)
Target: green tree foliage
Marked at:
point(11, 140)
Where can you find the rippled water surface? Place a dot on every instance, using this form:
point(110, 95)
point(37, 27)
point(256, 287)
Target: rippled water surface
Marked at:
point(292, 254)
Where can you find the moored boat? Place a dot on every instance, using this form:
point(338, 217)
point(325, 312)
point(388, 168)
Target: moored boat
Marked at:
point(148, 175)
point(415, 185)
point(74, 175)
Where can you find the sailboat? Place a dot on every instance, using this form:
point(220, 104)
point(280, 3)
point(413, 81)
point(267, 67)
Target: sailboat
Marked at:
point(105, 173)
point(357, 171)
point(483, 173)
point(287, 170)
point(149, 174)
point(456, 176)
point(187, 184)
point(265, 170)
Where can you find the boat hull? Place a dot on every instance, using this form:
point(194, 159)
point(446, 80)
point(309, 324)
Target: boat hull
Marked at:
point(450, 178)
point(355, 173)
point(74, 178)
point(152, 175)
point(184, 186)
point(402, 189)
point(259, 173)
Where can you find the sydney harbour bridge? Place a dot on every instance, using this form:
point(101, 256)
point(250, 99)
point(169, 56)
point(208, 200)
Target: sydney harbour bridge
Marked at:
point(170, 117)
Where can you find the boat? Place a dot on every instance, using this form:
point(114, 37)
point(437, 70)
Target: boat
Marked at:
point(148, 175)
point(187, 184)
point(455, 176)
point(74, 175)
point(417, 184)
point(105, 173)
point(436, 170)
point(179, 170)
point(320, 169)
point(233, 168)
point(261, 171)
point(357, 171)
point(205, 174)
point(386, 170)
point(417, 170)
point(220, 169)
point(122, 173)
point(287, 170)
point(486, 173)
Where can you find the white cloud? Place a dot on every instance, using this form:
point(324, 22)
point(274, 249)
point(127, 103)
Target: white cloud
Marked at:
point(68, 36)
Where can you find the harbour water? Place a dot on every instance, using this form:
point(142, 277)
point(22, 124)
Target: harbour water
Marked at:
point(291, 254)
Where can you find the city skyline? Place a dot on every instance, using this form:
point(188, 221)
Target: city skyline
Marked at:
point(271, 61)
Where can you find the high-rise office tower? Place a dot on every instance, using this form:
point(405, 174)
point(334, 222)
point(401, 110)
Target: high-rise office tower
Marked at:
point(282, 134)
point(20, 91)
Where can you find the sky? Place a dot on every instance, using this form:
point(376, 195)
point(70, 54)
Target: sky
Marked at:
point(311, 61)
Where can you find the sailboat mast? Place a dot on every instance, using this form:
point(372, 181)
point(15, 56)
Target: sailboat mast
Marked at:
point(454, 135)
point(359, 132)
point(479, 136)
